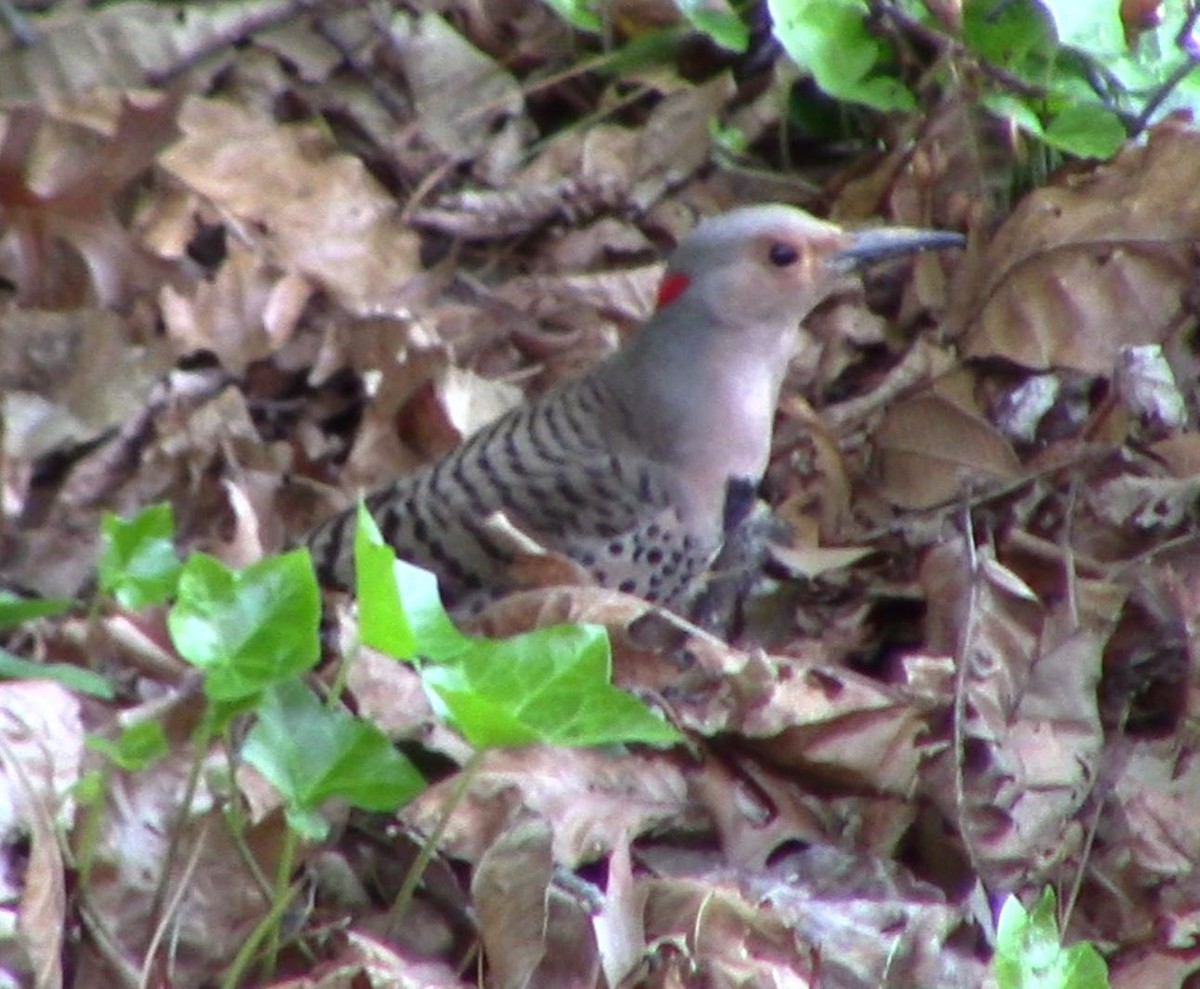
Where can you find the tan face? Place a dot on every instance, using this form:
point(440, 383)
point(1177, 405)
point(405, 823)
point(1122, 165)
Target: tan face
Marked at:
point(784, 273)
point(764, 266)
point(768, 266)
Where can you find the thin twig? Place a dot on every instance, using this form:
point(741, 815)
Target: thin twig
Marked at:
point(18, 24)
point(429, 847)
point(961, 681)
point(1176, 77)
point(244, 28)
point(395, 108)
point(952, 46)
point(172, 907)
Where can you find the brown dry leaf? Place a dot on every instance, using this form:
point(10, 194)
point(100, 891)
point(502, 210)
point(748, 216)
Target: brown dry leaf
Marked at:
point(1180, 453)
point(217, 431)
point(253, 529)
point(1032, 719)
point(362, 960)
point(609, 167)
point(42, 734)
point(626, 294)
point(390, 694)
point(930, 448)
point(120, 45)
point(286, 191)
point(68, 377)
point(755, 813)
point(242, 315)
point(1158, 796)
point(1102, 261)
point(58, 180)
point(675, 142)
point(835, 724)
point(793, 712)
point(1164, 969)
point(589, 798)
point(41, 755)
point(728, 933)
point(42, 915)
point(219, 900)
point(815, 561)
point(510, 888)
point(885, 925)
point(468, 107)
point(310, 48)
point(1146, 505)
point(424, 408)
point(466, 402)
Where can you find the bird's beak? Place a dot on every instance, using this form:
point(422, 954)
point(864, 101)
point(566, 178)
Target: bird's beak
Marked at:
point(869, 246)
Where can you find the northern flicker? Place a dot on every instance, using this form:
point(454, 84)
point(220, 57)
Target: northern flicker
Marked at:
point(637, 470)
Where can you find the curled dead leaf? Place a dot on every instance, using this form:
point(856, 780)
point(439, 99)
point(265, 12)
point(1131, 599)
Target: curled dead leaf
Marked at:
point(1099, 262)
point(929, 449)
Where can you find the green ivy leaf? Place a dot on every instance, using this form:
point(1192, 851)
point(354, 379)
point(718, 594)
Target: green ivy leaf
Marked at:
point(399, 608)
point(1014, 108)
point(551, 685)
point(14, 609)
point(1029, 952)
point(250, 629)
point(1017, 36)
point(717, 21)
point(136, 748)
point(138, 564)
point(578, 13)
point(831, 40)
point(1093, 28)
point(1086, 130)
point(311, 753)
point(74, 678)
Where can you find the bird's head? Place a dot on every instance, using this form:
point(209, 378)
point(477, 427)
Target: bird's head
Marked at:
point(768, 267)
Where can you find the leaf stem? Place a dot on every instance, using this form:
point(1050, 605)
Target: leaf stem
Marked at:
point(408, 888)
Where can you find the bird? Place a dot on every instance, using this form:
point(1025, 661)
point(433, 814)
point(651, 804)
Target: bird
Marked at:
point(638, 470)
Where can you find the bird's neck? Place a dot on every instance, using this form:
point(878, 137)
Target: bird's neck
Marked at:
point(703, 398)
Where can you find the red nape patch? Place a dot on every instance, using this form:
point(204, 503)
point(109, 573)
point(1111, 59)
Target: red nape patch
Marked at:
point(672, 287)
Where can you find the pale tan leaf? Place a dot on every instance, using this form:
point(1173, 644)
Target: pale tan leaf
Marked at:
point(675, 141)
point(227, 315)
point(315, 211)
point(468, 106)
point(813, 561)
point(620, 934)
point(1147, 385)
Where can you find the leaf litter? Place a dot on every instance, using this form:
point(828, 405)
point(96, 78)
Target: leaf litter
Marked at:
point(314, 263)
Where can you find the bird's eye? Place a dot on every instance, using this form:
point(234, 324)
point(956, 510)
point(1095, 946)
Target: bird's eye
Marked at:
point(782, 255)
